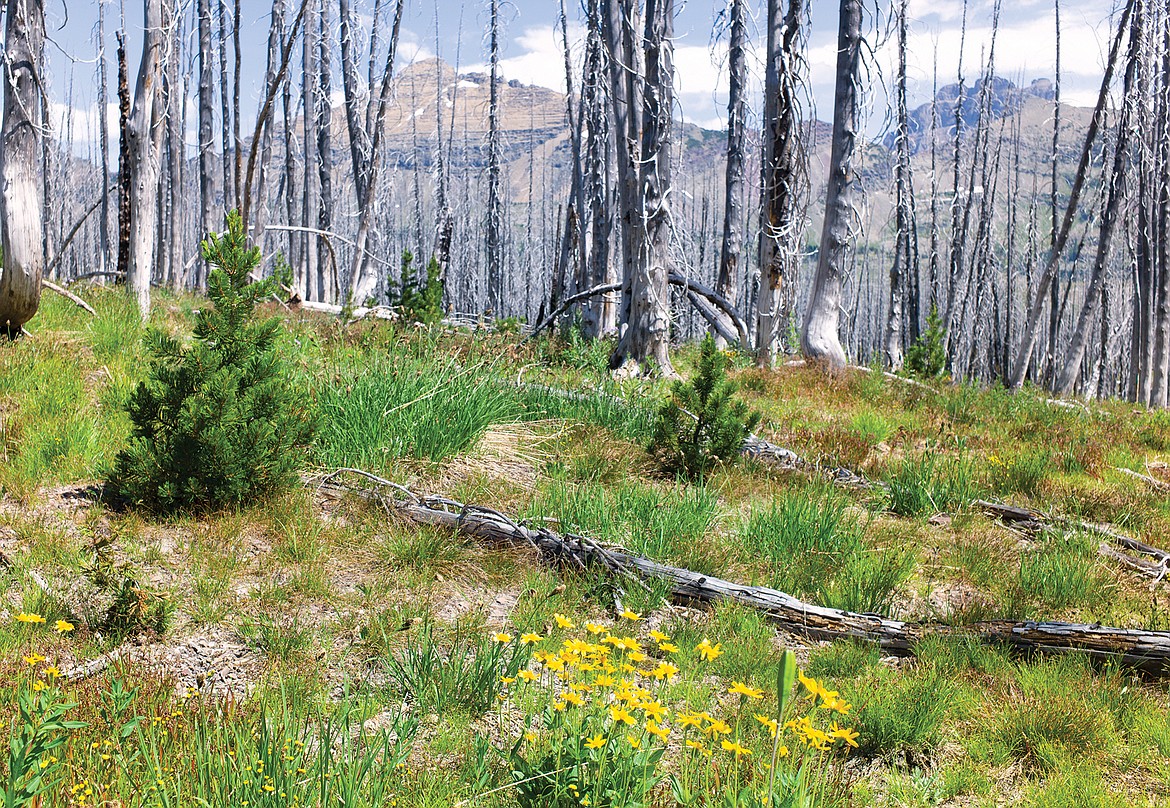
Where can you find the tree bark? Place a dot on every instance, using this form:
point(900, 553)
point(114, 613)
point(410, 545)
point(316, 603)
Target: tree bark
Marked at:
point(905, 262)
point(781, 177)
point(21, 227)
point(494, 220)
point(820, 339)
point(207, 218)
point(647, 336)
point(727, 283)
point(363, 281)
point(103, 142)
point(145, 131)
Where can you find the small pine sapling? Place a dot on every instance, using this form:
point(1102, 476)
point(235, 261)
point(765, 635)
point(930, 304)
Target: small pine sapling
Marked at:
point(216, 423)
point(701, 425)
point(419, 301)
point(927, 357)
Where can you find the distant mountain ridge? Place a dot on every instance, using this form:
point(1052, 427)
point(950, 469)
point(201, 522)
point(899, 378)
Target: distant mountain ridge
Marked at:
point(1004, 98)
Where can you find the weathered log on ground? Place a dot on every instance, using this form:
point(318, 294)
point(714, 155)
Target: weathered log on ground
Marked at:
point(1034, 520)
point(1147, 650)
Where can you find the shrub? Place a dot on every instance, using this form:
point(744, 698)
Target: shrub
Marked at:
point(927, 357)
point(701, 426)
point(216, 423)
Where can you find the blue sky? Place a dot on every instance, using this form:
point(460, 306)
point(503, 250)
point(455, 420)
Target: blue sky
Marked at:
point(532, 44)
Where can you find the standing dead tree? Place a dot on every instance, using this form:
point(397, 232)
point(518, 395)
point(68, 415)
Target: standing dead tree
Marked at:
point(904, 269)
point(820, 338)
point(783, 180)
point(1115, 190)
point(733, 197)
point(1040, 295)
point(647, 334)
point(21, 226)
point(494, 215)
point(363, 280)
point(144, 135)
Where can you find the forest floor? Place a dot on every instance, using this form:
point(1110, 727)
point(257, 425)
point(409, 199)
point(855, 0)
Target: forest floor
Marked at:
point(316, 599)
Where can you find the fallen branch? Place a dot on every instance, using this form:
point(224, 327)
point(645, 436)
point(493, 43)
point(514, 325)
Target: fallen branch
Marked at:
point(65, 293)
point(1148, 650)
point(693, 289)
point(1152, 482)
point(1034, 521)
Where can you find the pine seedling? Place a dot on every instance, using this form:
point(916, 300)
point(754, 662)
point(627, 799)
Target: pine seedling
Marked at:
point(216, 423)
point(701, 425)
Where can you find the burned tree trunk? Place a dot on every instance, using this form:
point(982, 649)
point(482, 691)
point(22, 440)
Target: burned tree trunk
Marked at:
point(1032, 325)
point(21, 226)
point(820, 339)
point(363, 281)
point(207, 218)
point(781, 177)
point(494, 222)
point(1075, 352)
point(145, 131)
point(647, 336)
point(104, 143)
point(618, 23)
point(905, 262)
point(729, 253)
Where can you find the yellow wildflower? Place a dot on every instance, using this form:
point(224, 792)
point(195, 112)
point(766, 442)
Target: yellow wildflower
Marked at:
point(52, 672)
point(634, 742)
point(502, 638)
point(562, 621)
point(64, 627)
point(596, 742)
point(595, 628)
point(659, 636)
point(528, 676)
point(653, 710)
point(689, 719)
point(741, 689)
point(709, 652)
point(33, 660)
point(664, 671)
point(811, 685)
point(573, 698)
point(507, 680)
point(629, 615)
point(769, 723)
point(845, 734)
point(637, 656)
point(661, 733)
point(29, 617)
point(38, 686)
point(668, 647)
point(698, 747)
point(530, 736)
point(735, 748)
point(530, 638)
point(604, 680)
point(717, 727)
point(617, 714)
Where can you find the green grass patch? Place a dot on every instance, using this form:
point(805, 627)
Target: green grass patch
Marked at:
point(813, 541)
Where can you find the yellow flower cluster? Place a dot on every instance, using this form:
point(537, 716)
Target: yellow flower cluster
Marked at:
point(607, 686)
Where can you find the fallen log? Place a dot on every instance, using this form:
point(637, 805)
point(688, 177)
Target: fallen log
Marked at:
point(1147, 650)
point(1037, 520)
